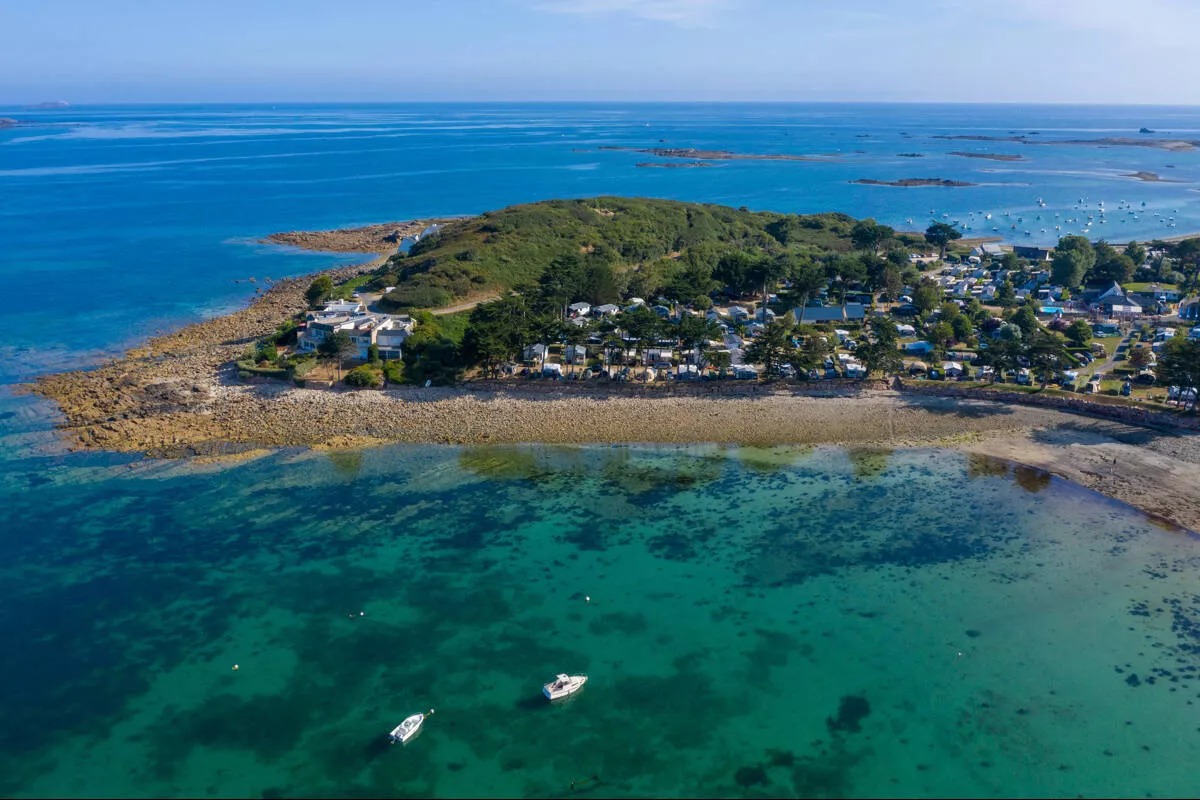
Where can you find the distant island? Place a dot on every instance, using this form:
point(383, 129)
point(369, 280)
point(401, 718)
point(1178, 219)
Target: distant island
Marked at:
point(914, 182)
point(1174, 145)
point(989, 156)
point(1150, 177)
point(714, 155)
point(49, 105)
point(675, 164)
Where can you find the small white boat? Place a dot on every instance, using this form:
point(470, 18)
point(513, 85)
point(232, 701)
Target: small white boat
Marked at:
point(563, 685)
point(407, 729)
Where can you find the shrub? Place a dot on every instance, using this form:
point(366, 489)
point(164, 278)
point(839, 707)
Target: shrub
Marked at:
point(364, 377)
point(393, 371)
point(418, 296)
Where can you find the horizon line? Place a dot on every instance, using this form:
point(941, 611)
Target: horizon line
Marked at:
point(34, 106)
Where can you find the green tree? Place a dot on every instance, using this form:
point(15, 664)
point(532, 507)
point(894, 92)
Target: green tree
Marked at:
point(497, 331)
point(1111, 265)
point(337, 347)
point(1047, 353)
point(1006, 297)
point(940, 335)
point(927, 296)
point(1139, 357)
point(720, 360)
point(1026, 320)
point(963, 329)
point(1001, 353)
point(812, 352)
point(1179, 364)
point(771, 347)
point(1079, 333)
point(881, 354)
point(940, 235)
point(694, 331)
point(1136, 252)
point(869, 235)
point(318, 290)
point(643, 326)
point(890, 284)
point(373, 353)
point(1073, 259)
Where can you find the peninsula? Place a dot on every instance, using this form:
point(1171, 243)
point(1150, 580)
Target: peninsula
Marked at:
point(355, 356)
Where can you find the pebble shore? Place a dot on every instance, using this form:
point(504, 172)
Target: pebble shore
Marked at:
point(180, 396)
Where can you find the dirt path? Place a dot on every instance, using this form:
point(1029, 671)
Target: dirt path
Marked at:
point(463, 306)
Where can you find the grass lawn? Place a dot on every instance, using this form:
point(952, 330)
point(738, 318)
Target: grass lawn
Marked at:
point(1143, 286)
point(345, 290)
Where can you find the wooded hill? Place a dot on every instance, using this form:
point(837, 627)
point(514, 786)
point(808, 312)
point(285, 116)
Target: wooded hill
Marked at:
point(628, 246)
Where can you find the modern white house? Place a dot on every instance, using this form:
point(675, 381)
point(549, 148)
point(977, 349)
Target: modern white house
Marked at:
point(579, 309)
point(606, 310)
point(1116, 303)
point(363, 330)
point(348, 307)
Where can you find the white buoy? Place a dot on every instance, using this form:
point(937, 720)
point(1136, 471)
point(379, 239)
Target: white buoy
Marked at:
point(587, 599)
point(235, 666)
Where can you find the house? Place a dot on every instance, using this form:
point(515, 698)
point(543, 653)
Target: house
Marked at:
point(362, 329)
point(738, 314)
point(606, 310)
point(916, 347)
point(389, 342)
point(992, 250)
point(579, 309)
point(850, 312)
point(988, 293)
point(1115, 303)
point(657, 355)
point(1032, 253)
point(841, 335)
point(535, 352)
point(348, 307)
point(905, 330)
point(662, 311)
point(576, 354)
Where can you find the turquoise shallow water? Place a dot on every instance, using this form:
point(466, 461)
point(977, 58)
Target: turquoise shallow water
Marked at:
point(785, 621)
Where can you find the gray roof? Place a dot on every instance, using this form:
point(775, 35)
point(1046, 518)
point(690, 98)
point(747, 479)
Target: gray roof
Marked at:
point(851, 311)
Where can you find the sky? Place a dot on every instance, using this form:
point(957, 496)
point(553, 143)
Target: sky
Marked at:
point(1047, 51)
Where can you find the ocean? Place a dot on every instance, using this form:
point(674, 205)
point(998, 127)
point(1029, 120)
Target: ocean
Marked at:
point(812, 621)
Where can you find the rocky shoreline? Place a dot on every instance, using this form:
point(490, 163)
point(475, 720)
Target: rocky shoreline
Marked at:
point(382, 238)
point(180, 396)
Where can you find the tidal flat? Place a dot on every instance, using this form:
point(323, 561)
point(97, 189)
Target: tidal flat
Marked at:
point(754, 620)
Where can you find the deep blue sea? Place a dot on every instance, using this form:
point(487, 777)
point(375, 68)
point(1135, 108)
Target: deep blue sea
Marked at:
point(791, 621)
point(119, 221)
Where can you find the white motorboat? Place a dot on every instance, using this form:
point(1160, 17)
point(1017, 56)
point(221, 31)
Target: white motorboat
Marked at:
point(563, 686)
point(407, 729)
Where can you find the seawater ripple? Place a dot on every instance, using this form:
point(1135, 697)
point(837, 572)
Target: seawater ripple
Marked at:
point(754, 620)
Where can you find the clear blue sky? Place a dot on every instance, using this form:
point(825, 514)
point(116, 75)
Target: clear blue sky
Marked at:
point(1101, 51)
